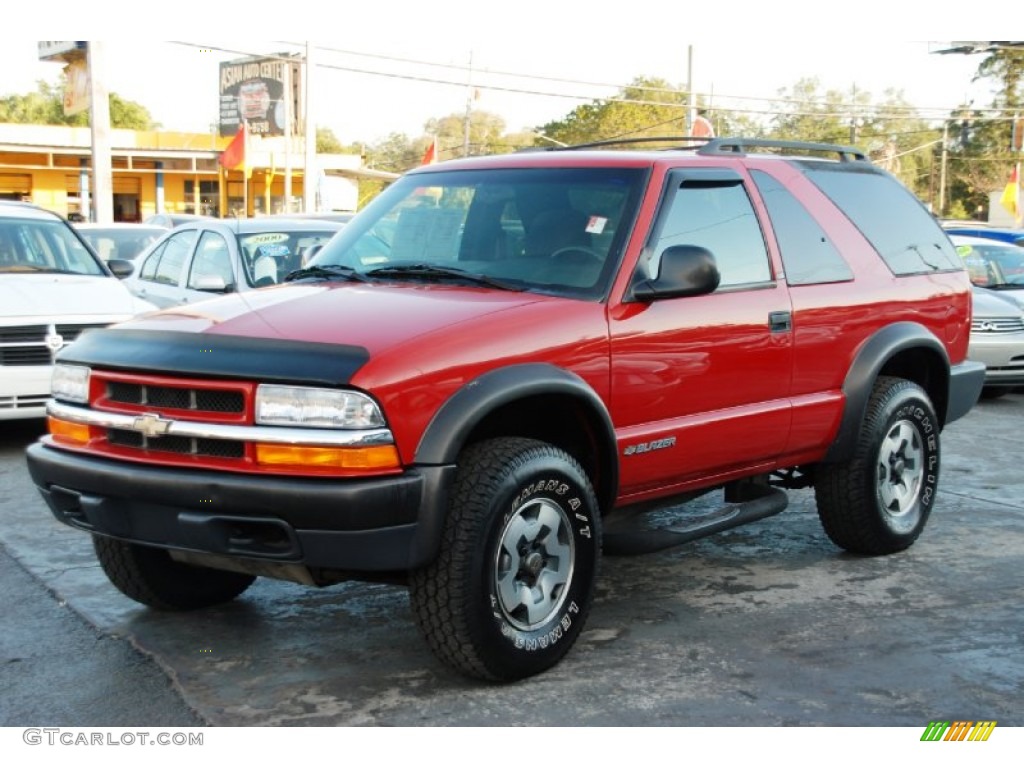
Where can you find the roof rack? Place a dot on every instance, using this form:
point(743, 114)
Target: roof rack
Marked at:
point(725, 146)
point(613, 142)
point(739, 146)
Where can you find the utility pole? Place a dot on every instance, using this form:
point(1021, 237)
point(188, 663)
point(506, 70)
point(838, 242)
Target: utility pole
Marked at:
point(310, 175)
point(942, 168)
point(469, 110)
point(287, 96)
point(691, 112)
point(99, 120)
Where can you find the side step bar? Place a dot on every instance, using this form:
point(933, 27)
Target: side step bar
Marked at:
point(637, 541)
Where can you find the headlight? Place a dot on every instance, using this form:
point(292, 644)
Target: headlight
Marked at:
point(70, 382)
point(310, 407)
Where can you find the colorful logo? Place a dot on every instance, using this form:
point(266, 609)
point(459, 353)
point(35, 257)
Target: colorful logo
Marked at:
point(958, 730)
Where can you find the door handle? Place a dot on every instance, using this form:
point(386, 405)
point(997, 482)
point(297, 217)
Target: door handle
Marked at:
point(780, 322)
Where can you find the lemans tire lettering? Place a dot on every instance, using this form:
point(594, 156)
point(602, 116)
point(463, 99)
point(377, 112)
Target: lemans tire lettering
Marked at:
point(557, 487)
point(537, 642)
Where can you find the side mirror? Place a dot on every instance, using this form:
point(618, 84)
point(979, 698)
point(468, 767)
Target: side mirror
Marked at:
point(121, 268)
point(212, 284)
point(686, 270)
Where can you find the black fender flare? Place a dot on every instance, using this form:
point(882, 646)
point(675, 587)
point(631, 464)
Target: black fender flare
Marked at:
point(451, 425)
point(867, 365)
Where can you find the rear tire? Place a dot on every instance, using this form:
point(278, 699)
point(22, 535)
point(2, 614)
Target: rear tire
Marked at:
point(878, 502)
point(149, 576)
point(513, 583)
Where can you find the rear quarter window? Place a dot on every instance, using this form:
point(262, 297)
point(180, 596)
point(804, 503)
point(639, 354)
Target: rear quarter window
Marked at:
point(808, 254)
point(898, 226)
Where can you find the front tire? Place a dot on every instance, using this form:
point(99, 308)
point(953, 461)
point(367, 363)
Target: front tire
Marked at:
point(149, 576)
point(511, 588)
point(878, 502)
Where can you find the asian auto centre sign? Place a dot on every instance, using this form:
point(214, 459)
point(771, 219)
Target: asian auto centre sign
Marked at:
point(253, 90)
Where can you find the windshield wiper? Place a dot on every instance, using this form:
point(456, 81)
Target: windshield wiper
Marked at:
point(438, 272)
point(326, 271)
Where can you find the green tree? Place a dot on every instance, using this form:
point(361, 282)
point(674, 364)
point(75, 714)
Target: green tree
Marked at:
point(45, 106)
point(327, 143)
point(981, 157)
point(648, 107)
point(486, 135)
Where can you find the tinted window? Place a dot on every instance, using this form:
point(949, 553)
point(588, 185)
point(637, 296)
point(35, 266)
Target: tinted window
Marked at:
point(717, 216)
point(807, 253)
point(895, 222)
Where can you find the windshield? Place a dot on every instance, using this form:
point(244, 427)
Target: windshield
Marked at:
point(556, 231)
point(120, 243)
point(41, 245)
point(996, 265)
point(269, 256)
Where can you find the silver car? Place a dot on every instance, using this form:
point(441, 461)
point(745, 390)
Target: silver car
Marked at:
point(210, 257)
point(997, 340)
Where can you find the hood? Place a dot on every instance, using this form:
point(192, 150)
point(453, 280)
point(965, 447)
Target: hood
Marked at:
point(55, 296)
point(995, 304)
point(375, 317)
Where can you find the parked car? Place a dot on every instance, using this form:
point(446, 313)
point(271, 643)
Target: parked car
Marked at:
point(980, 229)
point(171, 220)
point(209, 257)
point(121, 240)
point(480, 399)
point(52, 288)
point(342, 216)
point(997, 340)
point(993, 265)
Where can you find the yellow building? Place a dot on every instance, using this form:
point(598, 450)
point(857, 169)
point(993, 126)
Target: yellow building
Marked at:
point(168, 172)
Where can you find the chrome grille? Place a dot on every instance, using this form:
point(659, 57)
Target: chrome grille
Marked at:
point(997, 325)
point(37, 344)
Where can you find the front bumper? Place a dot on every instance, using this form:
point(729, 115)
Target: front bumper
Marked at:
point(373, 525)
point(1002, 355)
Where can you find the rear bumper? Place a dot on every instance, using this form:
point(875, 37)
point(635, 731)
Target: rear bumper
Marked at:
point(372, 525)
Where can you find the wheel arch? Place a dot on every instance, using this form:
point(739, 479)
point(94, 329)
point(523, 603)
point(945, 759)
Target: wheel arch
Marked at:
point(535, 400)
point(906, 350)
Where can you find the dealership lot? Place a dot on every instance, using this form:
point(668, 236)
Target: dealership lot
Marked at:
point(764, 625)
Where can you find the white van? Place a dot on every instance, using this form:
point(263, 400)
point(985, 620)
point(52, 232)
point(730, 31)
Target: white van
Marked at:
point(52, 288)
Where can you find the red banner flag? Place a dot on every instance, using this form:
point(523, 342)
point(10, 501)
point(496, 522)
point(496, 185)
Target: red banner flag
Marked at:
point(234, 155)
point(430, 156)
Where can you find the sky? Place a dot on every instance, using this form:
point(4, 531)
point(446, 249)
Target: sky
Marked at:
point(387, 66)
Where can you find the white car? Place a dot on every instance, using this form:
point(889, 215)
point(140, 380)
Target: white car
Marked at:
point(993, 265)
point(52, 288)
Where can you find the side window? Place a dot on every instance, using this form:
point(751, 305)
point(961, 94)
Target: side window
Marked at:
point(212, 259)
point(807, 252)
point(148, 270)
point(894, 221)
point(175, 254)
point(720, 217)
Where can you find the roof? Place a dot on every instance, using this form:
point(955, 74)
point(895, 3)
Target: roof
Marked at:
point(18, 209)
point(265, 224)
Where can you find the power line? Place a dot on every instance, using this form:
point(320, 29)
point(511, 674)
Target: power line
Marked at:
point(810, 109)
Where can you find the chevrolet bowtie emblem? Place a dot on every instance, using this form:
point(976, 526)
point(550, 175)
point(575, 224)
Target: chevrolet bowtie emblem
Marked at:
point(151, 425)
